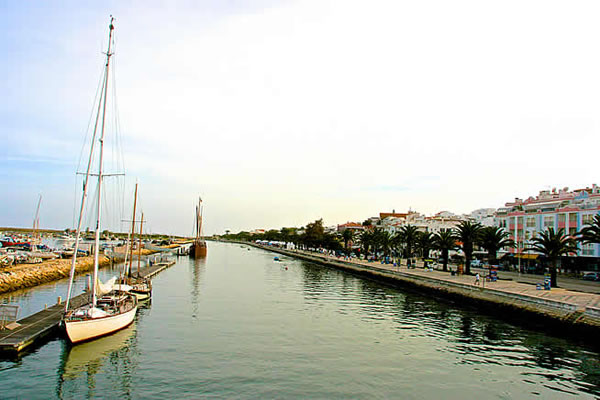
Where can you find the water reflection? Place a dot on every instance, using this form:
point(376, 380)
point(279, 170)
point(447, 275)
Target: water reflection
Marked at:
point(476, 339)
point(113, 358)
point(197, 268)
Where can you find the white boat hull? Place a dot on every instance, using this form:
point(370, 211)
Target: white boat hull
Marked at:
point(79, 331)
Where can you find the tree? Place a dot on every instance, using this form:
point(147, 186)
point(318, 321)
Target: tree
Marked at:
point(553, 245)
point(313, 234)
point(445, 241)
point(347, 235)
point(590, 233)
point(493, 239)
point(384, 241)
point(366, 241)
point(468, 234)
point(425, 243)
point(409, 237)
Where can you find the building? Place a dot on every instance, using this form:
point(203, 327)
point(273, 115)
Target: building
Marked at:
point(354, 226)
point(562, 209)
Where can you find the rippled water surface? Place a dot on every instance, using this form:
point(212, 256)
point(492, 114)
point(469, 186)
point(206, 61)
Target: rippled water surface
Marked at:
point(240, 325)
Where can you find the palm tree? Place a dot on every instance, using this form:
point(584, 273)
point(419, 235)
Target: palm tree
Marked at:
point(445, 241)
point(381, 240)
point(409, 237)
point(366, 241)
point(590, 233)
point(553, 245)
point(386, 242)
point(347, 235)
point(425, 243)
point(493, 239)
point(468, 233)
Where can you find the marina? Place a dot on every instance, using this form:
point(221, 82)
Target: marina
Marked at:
point(240, 324)
point(37, 327)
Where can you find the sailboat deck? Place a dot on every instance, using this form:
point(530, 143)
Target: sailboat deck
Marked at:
point(44, 323)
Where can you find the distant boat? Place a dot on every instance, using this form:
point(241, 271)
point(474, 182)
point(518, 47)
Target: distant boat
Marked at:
point(110, 311)
point(198, 248)
point(135, 284)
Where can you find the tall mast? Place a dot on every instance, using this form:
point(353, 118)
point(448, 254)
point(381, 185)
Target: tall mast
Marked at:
point(87, 180)
point(100, 161)
point(36, 221)
point(140, 245)
point(132, 232)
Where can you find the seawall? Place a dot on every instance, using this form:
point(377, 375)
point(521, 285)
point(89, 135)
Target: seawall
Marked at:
point(560, 308)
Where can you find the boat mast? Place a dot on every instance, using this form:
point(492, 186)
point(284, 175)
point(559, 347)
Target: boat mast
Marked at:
point(99, 198)
point(36, 222)
point(87, 181)
point(199, 219)
point(132, 232)
point(140, 245)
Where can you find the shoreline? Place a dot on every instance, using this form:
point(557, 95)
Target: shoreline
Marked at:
point(578, 312)
point(26, 276)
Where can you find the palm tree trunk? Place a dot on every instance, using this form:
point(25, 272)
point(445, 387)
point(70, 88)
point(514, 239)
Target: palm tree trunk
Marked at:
point(468, 263)
point(553, 282)
point(445, 262)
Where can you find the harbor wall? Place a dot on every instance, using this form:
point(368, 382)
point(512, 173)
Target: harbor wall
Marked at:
point(530, 309)
point(22, 276)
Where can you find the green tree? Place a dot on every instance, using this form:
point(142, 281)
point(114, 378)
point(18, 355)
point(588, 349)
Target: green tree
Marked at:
point(314, 232)
point(553, 245)
point(445, 241)
point(347, 235)
point(590, 233)
point(468, 234)
point(425, 243)
point(366, 241)
point(409, 238)
point(493, 239)
point(384, 241)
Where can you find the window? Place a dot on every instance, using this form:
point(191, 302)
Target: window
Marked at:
point(519, 220)
point(587, 250)
point(531, 222)
point(572, 218)
point(562, 218)
point(572, 231)
point(548, 221)
point(587, 219)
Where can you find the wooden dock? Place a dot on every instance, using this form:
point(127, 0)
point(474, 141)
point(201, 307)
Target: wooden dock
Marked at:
point(43, 324)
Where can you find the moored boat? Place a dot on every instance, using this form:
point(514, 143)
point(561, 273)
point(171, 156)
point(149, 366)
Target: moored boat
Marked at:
point(198, 249)
point(106, 312)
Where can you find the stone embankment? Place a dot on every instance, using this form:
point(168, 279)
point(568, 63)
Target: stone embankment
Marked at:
point(564, 307)
point(22, 276)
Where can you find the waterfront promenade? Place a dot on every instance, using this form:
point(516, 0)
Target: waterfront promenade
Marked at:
point(565, 306)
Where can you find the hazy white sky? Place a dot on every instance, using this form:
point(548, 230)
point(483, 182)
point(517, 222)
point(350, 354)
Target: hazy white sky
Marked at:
point(281, 112)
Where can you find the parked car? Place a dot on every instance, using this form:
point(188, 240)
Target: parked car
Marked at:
point(591, 276)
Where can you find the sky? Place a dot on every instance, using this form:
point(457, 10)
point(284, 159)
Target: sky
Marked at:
point(278, 113)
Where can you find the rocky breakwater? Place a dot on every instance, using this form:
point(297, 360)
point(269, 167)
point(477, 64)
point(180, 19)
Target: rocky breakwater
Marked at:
point(21, 276)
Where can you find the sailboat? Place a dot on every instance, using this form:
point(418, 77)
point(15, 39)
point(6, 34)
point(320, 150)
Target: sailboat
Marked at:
point(198, 248)
point(136, 284)
point(111, 311)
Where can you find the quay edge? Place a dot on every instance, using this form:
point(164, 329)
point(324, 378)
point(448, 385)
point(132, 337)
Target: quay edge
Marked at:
point(535, 312)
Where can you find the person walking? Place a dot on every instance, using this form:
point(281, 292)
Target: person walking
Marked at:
point(476, 279)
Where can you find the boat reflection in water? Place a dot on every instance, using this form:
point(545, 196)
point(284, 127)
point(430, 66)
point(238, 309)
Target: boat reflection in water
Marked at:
point(113, 357)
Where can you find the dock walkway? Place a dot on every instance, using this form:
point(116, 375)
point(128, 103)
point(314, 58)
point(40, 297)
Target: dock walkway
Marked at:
point(40, 325)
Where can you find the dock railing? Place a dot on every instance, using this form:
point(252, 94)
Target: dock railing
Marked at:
point(8, 315)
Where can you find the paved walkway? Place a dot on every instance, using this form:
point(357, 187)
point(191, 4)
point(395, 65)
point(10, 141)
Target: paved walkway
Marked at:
point(557, 294)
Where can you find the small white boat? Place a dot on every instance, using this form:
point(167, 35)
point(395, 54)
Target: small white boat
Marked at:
point(112, 312)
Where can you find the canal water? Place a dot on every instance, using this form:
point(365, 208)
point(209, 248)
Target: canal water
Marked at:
point(241, 325)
